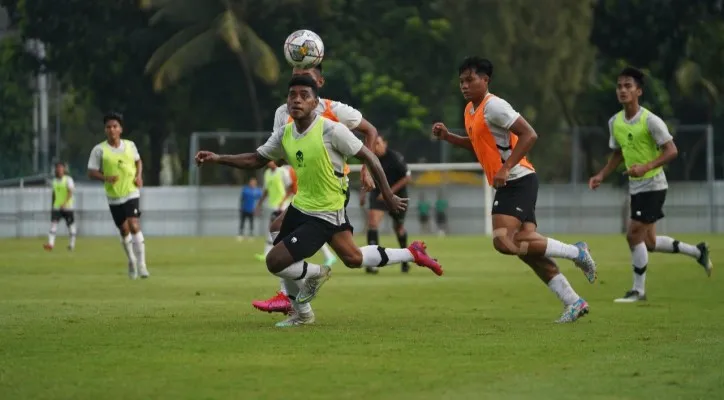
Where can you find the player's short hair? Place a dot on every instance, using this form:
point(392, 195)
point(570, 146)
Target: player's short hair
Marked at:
point(477, 64)
point(113, 116)
point(634, 73)
point(305, 80)
point(318, 67)
point(57, 163)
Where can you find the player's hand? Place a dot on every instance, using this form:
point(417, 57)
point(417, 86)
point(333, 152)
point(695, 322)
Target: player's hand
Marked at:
point(636, 171)
point(204, 156)
point(440, 131)
point(396, 204)
point(138, 181)
point(362, 199)
point(111, 179)
point(257, 211)
point(500, 178)
point(595, 181)
point(368, 184)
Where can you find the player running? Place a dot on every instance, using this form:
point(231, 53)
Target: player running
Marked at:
point(500, 138)
point(642, 141)
point(63, 187)
point(317, 148)
point(398, 176)
point(116, 162)
point(280, 184)
point(352, 119)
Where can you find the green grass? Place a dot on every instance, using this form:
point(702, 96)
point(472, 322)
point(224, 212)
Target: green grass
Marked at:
point(72, 326)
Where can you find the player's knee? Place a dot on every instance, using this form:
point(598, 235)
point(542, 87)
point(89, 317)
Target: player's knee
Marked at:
point(505, 245)
point(275, 263)
point(352, 259)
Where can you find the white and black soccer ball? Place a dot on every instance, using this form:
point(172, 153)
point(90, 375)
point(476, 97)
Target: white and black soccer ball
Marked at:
point(304, 49)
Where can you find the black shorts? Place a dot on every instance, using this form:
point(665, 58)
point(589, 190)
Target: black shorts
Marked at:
point(380, 205)
point(518, 198)
point(304, 235)
point(129, 209)
point(440, 218)
point(648, 207)
point(424, 219)
point(67, 215)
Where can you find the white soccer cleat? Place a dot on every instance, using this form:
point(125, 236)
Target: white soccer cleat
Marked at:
point(296, 319)
point(312, 285)
point(632, 296)
point(143, 272)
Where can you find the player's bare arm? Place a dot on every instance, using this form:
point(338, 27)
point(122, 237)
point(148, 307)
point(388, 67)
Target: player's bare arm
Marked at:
point(440, 132)
point(138, 180)
point(613, 162)
point(668, 153)
point(373, 163)
point(241, 161)
point(98, 175)
point(370, 134)
point(68, 199)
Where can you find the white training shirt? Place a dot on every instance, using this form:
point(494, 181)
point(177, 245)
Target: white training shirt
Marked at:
point(347, 115)
point(340, 143)
point(70, 184)
point(95, 162)
point(660, 132)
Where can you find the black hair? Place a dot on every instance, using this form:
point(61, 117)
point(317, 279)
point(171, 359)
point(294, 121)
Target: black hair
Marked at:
point(305, 80)
point(634, 73)
point(59, 163)
point(318, 67)
point(478, 65)
point(113, 116)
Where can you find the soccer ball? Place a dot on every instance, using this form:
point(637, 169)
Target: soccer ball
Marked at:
point(304, 49)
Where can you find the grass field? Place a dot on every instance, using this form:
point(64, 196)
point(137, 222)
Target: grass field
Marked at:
point(72, 326)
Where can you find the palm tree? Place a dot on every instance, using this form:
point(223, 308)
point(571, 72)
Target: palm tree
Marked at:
point(206, 23)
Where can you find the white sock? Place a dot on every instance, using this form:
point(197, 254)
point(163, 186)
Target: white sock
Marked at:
point(327, 252)
point(139, 248)
point(73, 232)
point(270, 242)
point(560, 286)
point(372, 256)
point(51, 234)
point(299, 271)
point(293, 290)
point(640, 260)
point(558, 249)
point(282, 287)
point(665, 244)
point(128, 248)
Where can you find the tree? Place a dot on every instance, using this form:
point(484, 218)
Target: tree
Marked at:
point(203, 25)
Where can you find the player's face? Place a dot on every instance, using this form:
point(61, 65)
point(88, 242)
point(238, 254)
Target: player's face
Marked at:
point(627, 90)
point(312, 72)
point(252, 182)
point(113, 129)
point(59, 170)
point(472, 85)
point(380, 147)
point(271, 165)
point(301, 101)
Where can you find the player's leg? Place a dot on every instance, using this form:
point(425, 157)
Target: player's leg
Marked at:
point(547, 270)
point(300, 238)
point(133, 215)
point(241, 224)
point(118, 212)
point(398, 224)
point(279, 302)
point(636, 238)
point(69, 217)
point(666, 244)
point(374, 219)
point(515, 204)
point(378, 256)
point(54, 218)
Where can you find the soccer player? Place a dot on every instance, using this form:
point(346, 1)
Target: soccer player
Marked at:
point(250, 195)
point(317, 148)
point(63, 187)
point(398, 176)
point(280, 184)
point(642, 141)
point(441, 213)
point(423, 213)
point(501, 138)
point(117, 164)
point(335, 111)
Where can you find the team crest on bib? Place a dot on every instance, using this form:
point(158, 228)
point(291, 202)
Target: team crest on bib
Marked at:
point(300, 158)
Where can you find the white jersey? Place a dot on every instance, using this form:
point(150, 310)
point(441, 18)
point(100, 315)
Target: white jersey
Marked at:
point(346, 115)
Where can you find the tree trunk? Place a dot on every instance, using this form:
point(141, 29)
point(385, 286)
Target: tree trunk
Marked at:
point(156, 136)
point(254, 100)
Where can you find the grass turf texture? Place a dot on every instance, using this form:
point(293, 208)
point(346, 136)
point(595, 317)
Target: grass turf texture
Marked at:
point(72, 326)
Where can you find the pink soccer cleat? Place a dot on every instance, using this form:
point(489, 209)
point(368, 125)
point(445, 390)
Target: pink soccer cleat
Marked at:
point(48, 246)
point(422, 259)
point(279, 303)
